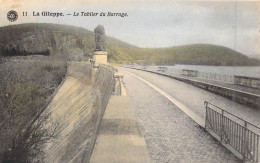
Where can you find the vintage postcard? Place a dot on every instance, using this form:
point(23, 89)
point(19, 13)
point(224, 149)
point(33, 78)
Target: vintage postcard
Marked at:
point(129, 81)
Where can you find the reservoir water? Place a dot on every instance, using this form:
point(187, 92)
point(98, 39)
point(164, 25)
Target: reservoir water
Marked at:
point(250, 71)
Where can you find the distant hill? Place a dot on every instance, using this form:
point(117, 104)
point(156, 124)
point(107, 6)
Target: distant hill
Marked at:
point(55, 39)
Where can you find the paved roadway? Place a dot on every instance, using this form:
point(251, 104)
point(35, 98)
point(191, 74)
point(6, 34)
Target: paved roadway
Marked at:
point(171, 136)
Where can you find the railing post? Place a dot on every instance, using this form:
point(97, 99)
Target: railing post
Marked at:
point(206, 117)
point(120, 86)
point(257, 146)
point(245, 143)
point(222, 124)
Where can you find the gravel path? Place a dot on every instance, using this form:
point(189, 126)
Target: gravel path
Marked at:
point(171, 136)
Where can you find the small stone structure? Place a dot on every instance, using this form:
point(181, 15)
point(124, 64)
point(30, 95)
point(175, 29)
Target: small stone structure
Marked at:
point(100, 53)
point(247, 81)
point(163, 69)
point(190, 73)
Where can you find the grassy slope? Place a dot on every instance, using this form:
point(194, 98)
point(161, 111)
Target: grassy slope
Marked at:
point(26, 88)
point(123, 52)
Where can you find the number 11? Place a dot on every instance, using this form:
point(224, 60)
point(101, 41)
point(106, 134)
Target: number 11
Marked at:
point(24, 13)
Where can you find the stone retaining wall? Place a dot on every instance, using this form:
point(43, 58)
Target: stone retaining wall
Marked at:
point(76, 111)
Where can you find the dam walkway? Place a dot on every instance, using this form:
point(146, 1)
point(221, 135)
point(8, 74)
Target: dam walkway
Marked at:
point(170, 134)
point(97, 120)
point(242, 94)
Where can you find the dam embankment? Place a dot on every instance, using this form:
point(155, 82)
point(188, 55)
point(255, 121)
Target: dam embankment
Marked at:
point(76, 115)
point(76, 111)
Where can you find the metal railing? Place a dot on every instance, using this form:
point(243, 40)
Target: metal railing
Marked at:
point(217, 77)
point(238, 133)
point(224, 78)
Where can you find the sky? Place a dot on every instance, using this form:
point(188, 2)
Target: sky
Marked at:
point(154, 23)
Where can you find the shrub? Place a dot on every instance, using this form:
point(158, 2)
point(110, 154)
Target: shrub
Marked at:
point(25, 90)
